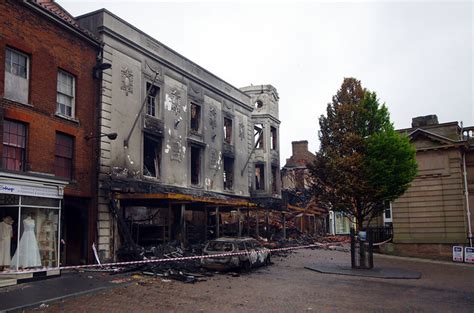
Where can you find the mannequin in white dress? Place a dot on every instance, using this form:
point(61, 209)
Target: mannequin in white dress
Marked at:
point(6, 234)
point(27, 254)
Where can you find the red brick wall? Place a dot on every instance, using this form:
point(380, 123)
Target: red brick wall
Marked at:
point(50, 47)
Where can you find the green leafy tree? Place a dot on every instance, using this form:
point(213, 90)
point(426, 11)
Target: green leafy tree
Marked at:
point(362, 161)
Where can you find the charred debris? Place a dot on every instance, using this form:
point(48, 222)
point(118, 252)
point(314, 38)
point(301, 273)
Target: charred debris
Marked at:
point(157, 233)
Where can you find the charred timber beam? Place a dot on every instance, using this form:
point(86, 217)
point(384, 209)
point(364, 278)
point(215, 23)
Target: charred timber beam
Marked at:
point(217, 223)
point(184, 198)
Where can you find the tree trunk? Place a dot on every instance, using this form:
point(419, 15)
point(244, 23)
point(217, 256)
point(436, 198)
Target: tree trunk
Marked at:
point(360, 248)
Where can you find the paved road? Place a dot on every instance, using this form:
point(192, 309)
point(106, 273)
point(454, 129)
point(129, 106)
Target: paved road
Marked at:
point(287, 287)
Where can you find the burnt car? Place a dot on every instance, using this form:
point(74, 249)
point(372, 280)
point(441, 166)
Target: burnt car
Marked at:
point(251, 254)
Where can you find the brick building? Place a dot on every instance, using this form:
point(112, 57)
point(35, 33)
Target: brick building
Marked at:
point(47, 116)
point(296, 184)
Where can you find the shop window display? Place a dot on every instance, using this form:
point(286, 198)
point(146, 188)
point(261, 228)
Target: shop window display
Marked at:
point(28, 233)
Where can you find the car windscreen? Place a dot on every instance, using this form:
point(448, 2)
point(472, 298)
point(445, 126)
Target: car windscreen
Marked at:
point(220, 246)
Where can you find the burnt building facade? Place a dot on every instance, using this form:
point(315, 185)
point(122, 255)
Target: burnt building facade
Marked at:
point(296, 189)
point(185, 150)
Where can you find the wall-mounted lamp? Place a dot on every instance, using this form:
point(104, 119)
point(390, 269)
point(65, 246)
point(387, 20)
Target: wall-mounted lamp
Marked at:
point(97, 70)
point(111, 136)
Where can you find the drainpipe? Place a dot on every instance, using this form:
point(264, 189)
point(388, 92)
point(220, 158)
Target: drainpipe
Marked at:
point(466, 194)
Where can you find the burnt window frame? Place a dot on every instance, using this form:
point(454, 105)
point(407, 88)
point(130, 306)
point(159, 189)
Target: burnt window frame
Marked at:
point(62, 155)
point(198, 120)
point(273, 138)
point(274, 184)
point(228, 136)
point(261, 185)
point(14, 146)
point(158, 152)
point(225, 173)
point(156, 99)
point(259, 143)
point(199, 170)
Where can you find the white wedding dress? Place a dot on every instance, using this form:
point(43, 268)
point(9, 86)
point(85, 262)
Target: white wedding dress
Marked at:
point(5, 243)
point(27, 254)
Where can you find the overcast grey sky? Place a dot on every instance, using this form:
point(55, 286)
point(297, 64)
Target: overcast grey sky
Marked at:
point(418, 57)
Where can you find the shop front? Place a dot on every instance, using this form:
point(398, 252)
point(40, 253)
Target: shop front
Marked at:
point(30, 224)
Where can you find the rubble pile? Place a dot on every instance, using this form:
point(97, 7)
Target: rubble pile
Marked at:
point(188, 271)
point(274, 230)
point(334, 239)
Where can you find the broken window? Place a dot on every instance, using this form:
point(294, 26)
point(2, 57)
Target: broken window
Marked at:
point(152, 99)
point(151, 156)
point(258, 136)
point(227, 130)
point(228, 173)
point(274, 179)
point(273, 138)
point(195, 117)
point(259, 176)
point(195, 165)
point(299, 179)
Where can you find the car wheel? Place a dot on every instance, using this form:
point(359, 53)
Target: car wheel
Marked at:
point(268, 260)
point(246, 266)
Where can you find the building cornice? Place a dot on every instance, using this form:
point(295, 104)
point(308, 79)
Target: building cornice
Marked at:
point(109, 32)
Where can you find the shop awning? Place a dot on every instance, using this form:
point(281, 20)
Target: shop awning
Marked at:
point(185, 198)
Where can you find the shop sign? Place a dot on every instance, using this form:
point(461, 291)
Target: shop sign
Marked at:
point(34, 191)
point(469, 254)
point(458, 254)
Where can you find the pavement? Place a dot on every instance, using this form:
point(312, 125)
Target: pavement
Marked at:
point(376, 272)
point(69, 284)
point(285, 286)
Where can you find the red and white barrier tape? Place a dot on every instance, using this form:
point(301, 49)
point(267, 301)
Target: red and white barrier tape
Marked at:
point(185, 258)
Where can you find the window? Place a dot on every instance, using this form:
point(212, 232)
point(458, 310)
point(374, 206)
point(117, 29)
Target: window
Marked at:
point(64, 156)
point(228, 173)
point(195, 117)
point(65, 94)
point(259, 177)
point(274, 179)
point(16, 63)
point(273, 138)
point(227, 130)
point(14, 146)
point(258, 135)
point(387, 216)
point(16, 76)
point(195, 165)
point(152, 100)
point(151, 156)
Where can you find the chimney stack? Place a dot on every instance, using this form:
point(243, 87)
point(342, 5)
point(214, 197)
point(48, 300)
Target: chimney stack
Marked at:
point(426, 120)
point(299, 147)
